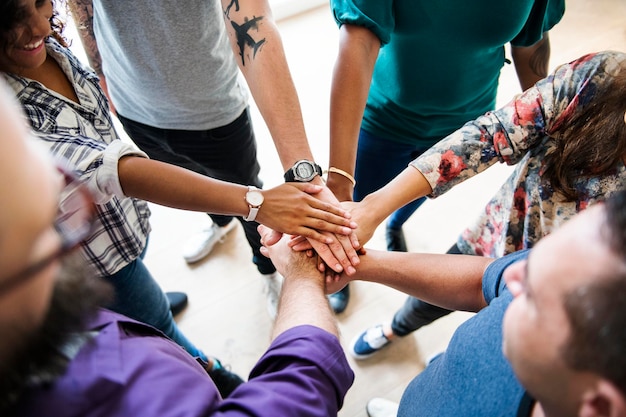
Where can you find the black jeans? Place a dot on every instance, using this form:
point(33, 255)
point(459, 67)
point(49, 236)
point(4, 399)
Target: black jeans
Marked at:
point(227, 153)
point(416, 313)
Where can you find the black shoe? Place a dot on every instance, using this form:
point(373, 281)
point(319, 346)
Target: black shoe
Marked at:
point(395, 240)
point(339, 300)
point(224, 380)
point(178, 301)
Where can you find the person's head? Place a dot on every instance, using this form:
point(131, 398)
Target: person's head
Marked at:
point(44, 215)
point(24, 24)
point(564, 331)
point(592, 140)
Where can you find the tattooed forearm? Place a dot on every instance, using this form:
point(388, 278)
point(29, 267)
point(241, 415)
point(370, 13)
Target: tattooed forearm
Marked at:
point(244, 39)
point(82, 13)
point(540, 58)
point(232, 3)
point(531, 63)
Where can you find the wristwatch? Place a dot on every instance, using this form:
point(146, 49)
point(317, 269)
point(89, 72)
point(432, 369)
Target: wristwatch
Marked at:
point(254, 198)
point(303, 171)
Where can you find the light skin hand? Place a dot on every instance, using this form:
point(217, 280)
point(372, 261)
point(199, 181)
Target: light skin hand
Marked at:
point(340, 255)
point(288, 262)
point(302, 299)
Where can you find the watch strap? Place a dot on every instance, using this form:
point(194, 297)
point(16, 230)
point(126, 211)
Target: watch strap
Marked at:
point(252, 214)
point(254, 210)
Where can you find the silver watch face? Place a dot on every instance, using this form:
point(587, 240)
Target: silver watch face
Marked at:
point(254, 198)
point(305, 169)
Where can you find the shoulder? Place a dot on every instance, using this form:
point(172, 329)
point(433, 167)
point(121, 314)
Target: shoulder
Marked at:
point(128, 368)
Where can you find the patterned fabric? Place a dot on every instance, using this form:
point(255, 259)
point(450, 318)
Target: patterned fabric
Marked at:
point(526, 208)
point(84, 135)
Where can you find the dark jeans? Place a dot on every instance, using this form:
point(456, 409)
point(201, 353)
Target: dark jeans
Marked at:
point(227, 153)
point(139, 296)
point(378, 161)
point(416, 313)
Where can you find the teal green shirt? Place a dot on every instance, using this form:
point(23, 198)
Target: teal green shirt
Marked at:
point(440, 60)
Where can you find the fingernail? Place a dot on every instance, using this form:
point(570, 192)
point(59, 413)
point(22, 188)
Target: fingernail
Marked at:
point(338, 268)
point(351, 270)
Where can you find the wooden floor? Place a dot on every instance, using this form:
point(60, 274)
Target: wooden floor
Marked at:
point(227, 314)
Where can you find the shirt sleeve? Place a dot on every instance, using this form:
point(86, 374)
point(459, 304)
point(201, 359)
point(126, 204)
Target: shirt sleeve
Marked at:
point(544, 15)
point(508, 134)
point(493, 282)
point(375, 15)
point(304, 373)
point(94, 162)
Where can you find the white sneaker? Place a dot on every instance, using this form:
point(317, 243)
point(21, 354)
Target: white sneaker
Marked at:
point(273, 286)
point(380, 407)
point(201, 244)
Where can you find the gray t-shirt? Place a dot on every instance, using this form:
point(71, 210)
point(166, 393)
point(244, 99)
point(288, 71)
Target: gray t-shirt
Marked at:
point(169, 64)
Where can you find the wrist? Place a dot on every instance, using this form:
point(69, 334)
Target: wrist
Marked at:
point(346, 176)
point(303, 170)
point(341, 188)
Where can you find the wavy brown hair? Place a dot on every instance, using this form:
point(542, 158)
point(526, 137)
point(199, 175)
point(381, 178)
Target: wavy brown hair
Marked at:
point(13, 14)
point(592, 142)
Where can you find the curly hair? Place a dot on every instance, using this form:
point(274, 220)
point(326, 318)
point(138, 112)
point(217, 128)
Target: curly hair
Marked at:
point(592, 142)
point(13, 14)
point(597, 312)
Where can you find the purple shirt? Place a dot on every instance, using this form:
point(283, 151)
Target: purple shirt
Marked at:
point(130, 369)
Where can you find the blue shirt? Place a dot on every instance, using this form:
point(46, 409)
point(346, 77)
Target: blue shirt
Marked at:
point(472, 378)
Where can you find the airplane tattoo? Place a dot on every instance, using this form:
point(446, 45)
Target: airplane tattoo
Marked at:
point(245, 39)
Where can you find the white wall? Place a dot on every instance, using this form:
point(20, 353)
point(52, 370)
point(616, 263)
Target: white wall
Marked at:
point(287, 8)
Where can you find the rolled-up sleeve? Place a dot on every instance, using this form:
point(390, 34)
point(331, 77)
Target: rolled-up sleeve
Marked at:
point(375, 15)
point(303, 373)
point(528, 121)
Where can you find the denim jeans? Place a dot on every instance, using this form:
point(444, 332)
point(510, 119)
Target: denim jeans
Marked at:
point(139, 296)
point(416, 313)
point(378, 161)
point(227, 153)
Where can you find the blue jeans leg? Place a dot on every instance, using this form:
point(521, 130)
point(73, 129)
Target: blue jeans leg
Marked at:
point(378, 161)
point(227, 153)
point(138, 296)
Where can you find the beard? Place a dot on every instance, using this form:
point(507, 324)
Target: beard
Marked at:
point(38, 355)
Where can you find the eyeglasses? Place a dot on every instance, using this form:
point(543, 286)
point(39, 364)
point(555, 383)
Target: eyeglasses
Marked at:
point(73, 223)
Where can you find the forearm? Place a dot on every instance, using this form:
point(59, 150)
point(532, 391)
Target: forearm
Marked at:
point(352, 76)
point(449, 281)
point(531, 63)
point(82, 13)
point(407, 186)
point(264, 66)
point(176, 187)
point(303, 301)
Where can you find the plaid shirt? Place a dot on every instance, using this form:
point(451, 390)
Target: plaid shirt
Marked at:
point(84, 135)
point(526, 208)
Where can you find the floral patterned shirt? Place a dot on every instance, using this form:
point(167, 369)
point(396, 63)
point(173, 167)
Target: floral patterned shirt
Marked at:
point(526, 208)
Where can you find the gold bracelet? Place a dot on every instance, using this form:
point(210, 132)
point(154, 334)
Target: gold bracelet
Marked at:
point(343, 174)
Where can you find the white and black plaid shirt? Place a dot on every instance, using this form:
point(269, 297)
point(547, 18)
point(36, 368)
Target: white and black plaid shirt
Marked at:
point(83, 134)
